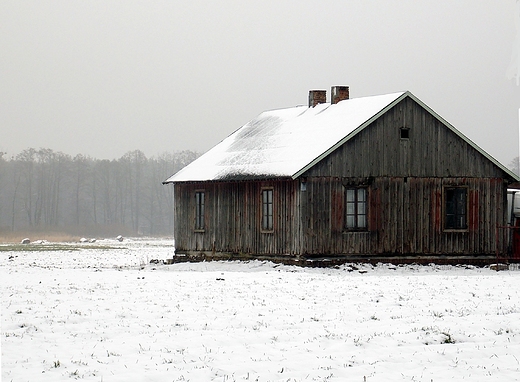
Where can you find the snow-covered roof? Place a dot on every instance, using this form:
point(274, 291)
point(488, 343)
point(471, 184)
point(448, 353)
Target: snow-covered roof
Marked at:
point(287, 142)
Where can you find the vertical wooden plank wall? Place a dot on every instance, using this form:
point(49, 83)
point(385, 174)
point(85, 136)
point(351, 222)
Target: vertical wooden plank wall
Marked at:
point(407, 178)
point(432, 150)
point(404, 178)
point(233, 218)
point(406, 218)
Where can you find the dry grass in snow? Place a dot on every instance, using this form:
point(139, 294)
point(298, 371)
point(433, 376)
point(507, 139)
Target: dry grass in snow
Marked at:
point(107, 315)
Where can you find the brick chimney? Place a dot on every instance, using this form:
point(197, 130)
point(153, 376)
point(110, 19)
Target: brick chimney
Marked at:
point(316, 97)
point(338, 93)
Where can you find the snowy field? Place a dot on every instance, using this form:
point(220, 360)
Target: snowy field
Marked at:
point(101, 314)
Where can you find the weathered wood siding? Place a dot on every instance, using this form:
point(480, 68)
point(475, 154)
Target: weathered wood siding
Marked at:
point(233, 218)
point(432, 150)
point(405, 217)
point(406, 179)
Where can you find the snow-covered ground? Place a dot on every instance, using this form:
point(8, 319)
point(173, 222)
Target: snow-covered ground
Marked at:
point(108, 315)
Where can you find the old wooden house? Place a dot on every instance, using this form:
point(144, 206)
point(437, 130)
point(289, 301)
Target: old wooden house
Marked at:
point(372, 178)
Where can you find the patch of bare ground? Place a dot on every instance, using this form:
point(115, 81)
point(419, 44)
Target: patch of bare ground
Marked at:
point(55, 237)
point(64, 234)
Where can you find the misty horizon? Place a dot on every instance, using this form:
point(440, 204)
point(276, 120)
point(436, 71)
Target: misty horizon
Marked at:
point(102, 79)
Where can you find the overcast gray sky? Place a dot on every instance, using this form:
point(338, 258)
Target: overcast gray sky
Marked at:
point(104, 77)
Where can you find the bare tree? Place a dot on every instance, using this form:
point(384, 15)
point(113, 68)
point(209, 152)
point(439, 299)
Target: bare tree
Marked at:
point(47, 189)
point(80, 172)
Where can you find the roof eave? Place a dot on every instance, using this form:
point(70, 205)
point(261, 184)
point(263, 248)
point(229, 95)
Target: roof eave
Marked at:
point(233, 180)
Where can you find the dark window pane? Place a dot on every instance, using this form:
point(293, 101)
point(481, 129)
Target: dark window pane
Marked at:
point(455, 208)
point(199, 210)
point(356, 208)
point(267, 210)
point(361, 208)
point(361, 194)
point(362, 222)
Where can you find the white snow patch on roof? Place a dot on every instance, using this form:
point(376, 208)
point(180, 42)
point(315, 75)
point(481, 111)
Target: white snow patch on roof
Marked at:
point(279, 143)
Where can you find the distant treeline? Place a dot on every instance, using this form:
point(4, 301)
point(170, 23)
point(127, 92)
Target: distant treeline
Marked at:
point(42, 190)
